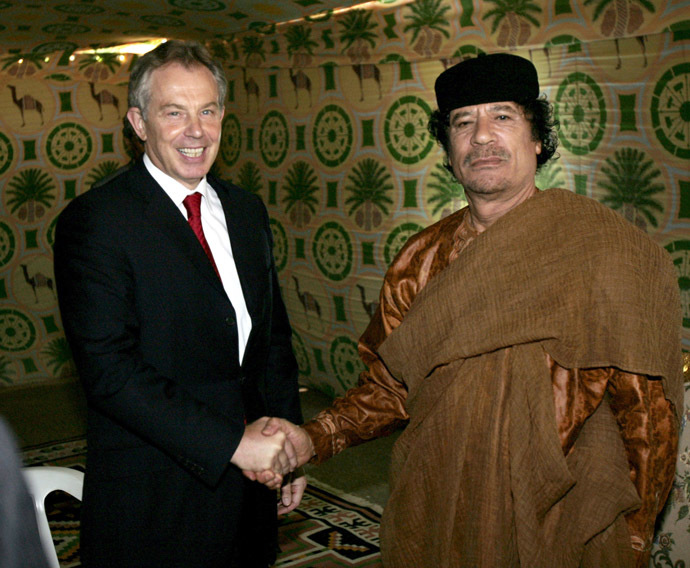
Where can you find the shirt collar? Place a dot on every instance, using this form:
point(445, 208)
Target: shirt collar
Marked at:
point(175, 190)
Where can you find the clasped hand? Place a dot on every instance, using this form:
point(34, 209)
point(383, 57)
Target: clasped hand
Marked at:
point(270, 450)
point(258, 452)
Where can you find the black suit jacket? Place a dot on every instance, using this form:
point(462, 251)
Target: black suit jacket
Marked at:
point(154, 338)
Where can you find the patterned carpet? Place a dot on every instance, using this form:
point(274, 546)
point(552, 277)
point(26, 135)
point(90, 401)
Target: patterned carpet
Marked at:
point(327, 530)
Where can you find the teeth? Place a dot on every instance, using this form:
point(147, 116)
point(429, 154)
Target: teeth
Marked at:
point(191, 152)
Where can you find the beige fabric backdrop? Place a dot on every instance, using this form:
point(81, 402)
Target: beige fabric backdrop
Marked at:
point(326, 121)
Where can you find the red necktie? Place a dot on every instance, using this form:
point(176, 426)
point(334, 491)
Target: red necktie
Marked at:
point(192, 203)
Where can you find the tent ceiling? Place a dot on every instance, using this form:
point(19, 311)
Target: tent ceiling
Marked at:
point(55, 25)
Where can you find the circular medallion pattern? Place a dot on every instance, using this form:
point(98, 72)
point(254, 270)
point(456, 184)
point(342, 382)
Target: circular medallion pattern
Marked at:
point(405, 130)
point(79, 9)
point(6, 153)
point(69, 146)
point(8, 243)
point(671, 110)
point(164, 21)
point(581, 110)
point(396, 239)
point(65, 30)
point(280, 244)
point(17, 332)
point(198, 5)
point(53, 46)
point(50, 232)
point(274, 138)
point(680, 254)
point(345, 361)
point(232, 139)
point(301, 354)
point(332, 136)
point(332, 250)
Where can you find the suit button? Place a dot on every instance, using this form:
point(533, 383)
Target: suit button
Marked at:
point(242, 378)
point(230, 320)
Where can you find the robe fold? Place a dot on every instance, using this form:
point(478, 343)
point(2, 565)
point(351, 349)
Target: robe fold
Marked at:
point(479, 475)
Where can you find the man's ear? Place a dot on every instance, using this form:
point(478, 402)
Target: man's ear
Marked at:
point(137, 121)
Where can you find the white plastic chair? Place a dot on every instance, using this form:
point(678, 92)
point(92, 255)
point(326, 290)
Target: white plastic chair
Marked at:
point(43, 480)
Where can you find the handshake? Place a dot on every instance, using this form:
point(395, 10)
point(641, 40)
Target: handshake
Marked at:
point(270, 452)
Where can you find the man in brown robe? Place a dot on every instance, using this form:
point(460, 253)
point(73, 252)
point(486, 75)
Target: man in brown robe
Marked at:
point(531, 344)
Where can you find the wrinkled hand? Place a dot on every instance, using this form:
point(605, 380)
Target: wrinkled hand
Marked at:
point(298, 437)
point(292, 491)
point(298, 443)
point(261, 452)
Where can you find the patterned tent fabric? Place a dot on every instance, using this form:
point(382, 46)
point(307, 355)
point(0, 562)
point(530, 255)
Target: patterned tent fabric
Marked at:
point(44, 26)
point(326, 122)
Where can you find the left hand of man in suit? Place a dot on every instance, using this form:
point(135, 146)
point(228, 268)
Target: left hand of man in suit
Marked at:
point(302, 448)
point(292, 491)
point(291, 487)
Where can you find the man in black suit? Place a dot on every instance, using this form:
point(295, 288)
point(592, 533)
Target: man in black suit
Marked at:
point(182, 350)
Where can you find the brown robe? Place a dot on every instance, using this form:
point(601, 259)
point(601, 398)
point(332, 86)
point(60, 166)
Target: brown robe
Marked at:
point(540, 398)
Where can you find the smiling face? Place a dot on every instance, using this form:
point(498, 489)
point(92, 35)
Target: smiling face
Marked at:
point(492, 151)
point(181, 132)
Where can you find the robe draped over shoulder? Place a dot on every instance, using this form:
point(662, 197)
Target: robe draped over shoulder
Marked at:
point(540, 372)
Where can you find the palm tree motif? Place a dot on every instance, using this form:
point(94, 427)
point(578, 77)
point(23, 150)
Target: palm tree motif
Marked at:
point(102, 171)
point(622, 18)
point(99, 66)
point(357, 32)
point(6, 370)
point(59, 357)
point(300, 45)
point(300, 186)
point(219, 51)
point(249, 177)
point(20, 65)
point(31, 193)
point(631, 185)
point(428, 19)
point(512, 19)
point(447, 194)
point(369, 189)
point(253, 50)
point(357, 36)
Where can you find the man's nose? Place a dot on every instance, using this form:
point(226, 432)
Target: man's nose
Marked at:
point(483, 132)
point(193, 127)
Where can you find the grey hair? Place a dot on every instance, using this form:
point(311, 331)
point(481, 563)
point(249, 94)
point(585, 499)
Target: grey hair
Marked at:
point(186, 53)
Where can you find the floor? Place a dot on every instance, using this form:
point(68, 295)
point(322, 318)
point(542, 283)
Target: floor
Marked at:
point(50, 412)
point(361, 470)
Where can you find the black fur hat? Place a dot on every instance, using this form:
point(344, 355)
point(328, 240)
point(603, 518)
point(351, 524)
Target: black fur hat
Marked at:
point(487, 79)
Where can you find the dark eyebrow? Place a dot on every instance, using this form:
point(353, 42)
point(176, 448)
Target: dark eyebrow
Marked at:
point(460, 114)
point(504, 107)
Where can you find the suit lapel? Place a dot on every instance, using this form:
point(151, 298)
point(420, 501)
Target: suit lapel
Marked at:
point(161, 212)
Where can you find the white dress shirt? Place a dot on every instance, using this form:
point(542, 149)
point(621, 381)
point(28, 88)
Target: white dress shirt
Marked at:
point(216, 233)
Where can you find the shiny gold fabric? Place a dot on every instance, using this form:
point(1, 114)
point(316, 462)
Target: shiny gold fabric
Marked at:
point(478, 480)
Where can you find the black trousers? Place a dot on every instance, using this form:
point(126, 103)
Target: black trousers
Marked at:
point(168, 519)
